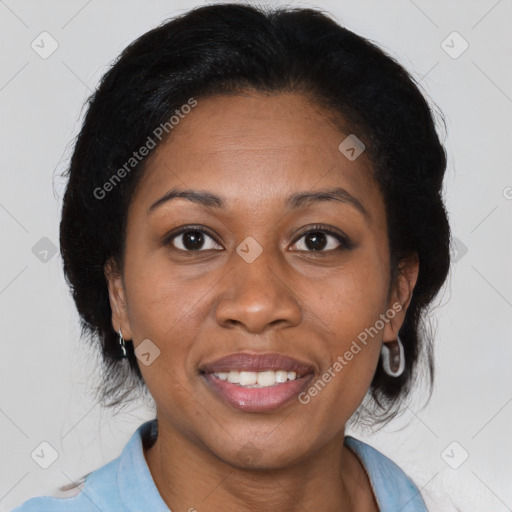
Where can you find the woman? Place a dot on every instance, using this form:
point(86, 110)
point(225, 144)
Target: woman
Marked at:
point(253, 230)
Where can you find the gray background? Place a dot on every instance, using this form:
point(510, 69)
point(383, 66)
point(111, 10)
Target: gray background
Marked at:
point(46, 373)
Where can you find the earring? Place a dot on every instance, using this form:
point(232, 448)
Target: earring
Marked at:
point(122, 344)
point(393, 359)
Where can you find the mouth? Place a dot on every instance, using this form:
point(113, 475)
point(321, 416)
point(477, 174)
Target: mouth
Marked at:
point(257, 382)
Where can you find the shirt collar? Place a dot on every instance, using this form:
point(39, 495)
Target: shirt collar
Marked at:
point(392, 488)
point(137, 488)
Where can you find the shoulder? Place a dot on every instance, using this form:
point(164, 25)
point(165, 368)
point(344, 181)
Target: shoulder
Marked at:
point(393, 488)
point(124, 483)
point(95, 491)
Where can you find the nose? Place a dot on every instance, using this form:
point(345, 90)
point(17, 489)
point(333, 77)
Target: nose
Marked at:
point(256, 296)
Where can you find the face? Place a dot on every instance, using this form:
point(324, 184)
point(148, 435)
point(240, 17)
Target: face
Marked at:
point(254, 271)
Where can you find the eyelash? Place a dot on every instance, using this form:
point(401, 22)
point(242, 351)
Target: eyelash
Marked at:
point(317, 228)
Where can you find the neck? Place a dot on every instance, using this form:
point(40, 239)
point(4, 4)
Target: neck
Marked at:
point(189, 476)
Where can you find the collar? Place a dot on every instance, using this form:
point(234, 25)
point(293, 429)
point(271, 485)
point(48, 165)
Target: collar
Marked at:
point(137, 488)
point(392, 488)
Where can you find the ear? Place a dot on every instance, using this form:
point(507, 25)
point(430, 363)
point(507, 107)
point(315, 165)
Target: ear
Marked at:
point(117, 297)
point(401, 296)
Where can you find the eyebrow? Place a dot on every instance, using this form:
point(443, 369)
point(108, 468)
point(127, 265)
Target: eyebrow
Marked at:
point(293, 202)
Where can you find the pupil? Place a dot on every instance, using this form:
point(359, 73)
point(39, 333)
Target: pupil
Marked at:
point(193, 240)
point(317, 241)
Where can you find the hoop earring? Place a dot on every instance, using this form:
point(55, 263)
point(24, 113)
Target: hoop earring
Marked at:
point(393, 359)
point(122, 345)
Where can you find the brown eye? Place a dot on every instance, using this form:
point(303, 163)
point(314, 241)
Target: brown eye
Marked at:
point(322, 240)
point(191, 239)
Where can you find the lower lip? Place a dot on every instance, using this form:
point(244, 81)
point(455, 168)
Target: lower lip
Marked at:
point(257, 399)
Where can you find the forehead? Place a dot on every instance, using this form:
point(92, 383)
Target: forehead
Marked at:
point(252, 148)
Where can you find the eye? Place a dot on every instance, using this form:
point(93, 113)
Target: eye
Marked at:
point(322, 239)
point(319, 239)
point(191, 238)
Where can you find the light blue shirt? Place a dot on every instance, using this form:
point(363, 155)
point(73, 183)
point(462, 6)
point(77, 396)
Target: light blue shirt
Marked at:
point(126, 484)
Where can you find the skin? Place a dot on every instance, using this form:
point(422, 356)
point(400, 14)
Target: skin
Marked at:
point(196, 306)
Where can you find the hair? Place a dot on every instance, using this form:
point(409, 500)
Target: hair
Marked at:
point(228, 49)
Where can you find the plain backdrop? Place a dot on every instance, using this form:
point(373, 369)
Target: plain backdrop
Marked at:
point(458, 448)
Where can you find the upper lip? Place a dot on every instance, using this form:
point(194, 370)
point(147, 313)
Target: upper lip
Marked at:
point(257, 362)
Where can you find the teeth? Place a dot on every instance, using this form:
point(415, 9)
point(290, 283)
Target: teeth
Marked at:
point(256, 379)
point(234, 377)
point(248, 378)
point(266, 379)
point(281, 376)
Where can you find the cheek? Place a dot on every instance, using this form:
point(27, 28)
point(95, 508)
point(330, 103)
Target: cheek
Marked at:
point(157, 309)
point(153, 300)
point(352, 298)
point(159, 294)
point(349, 305)
point(168, 308)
